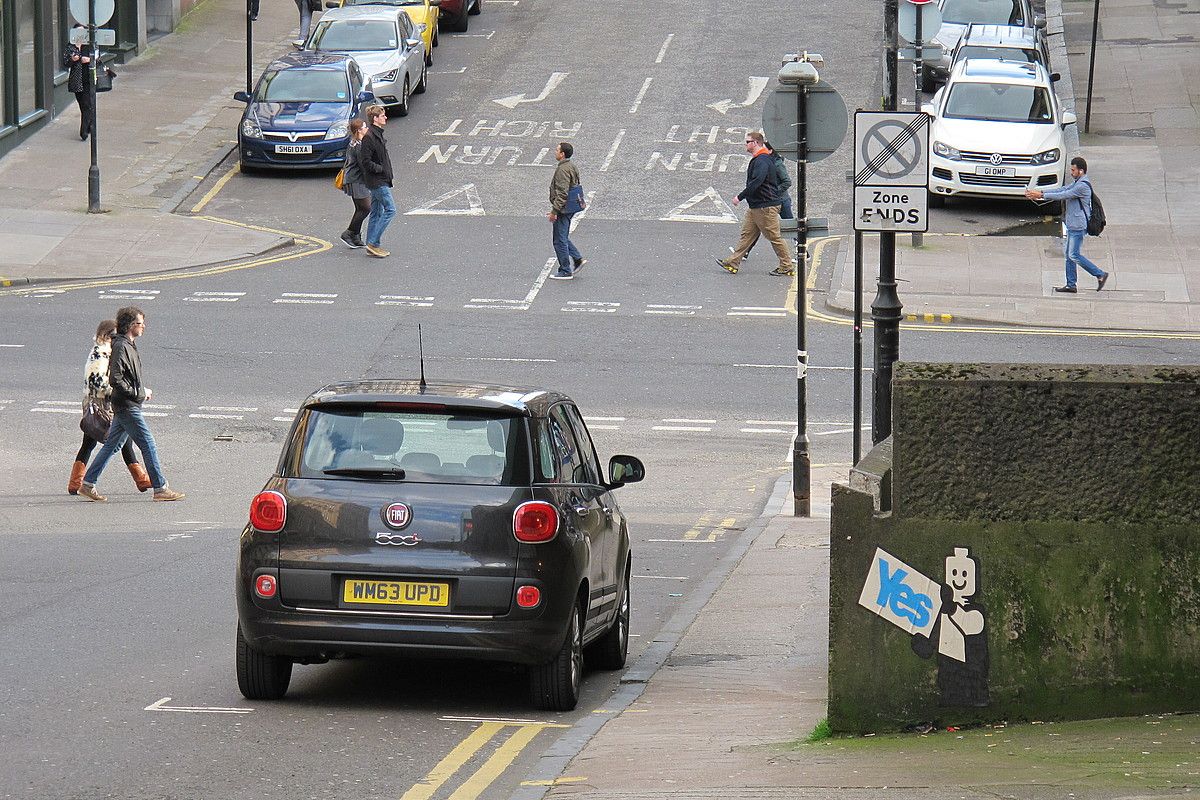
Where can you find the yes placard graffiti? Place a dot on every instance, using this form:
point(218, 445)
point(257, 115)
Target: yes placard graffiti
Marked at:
point(900, 594)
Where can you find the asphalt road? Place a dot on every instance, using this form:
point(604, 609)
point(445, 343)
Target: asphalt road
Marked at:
point(116, 673)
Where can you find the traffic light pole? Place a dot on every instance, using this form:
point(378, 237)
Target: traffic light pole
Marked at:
point(249, 44)
point(801, 458)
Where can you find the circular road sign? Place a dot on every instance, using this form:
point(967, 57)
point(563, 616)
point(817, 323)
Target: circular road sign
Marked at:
point(104, 11)
point(825, 113)
point(931, 21)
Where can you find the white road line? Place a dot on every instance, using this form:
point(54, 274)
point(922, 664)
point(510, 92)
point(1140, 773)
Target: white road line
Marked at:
point(612, 151)
point(604, 419)
point(604, 427)
point(663, 50)
point(695, 421)
point(59, 403)
point(215, 297)
point(301, 302)
point(685, 541)
point(306, 298)
point(506, 720)
point(458, 71)
point(641, 95)
point(755, 314)
point(793, 366)
point(513, 360)
point(228, 408)
point(157, 405)
point(12, 345)
point(772, 422)
point(836, 431)
point(695, 429)
point(662, 577)
point(757, 308)
point(404, 300)
point(155, 414)
point(763, 430)
point(290, 410)
point(281, 419)
point(487, 35)
point(676, 311)
point(161, 705)
point(57, 410)
point(503, 305)
point(594, 306)
point(215, 416)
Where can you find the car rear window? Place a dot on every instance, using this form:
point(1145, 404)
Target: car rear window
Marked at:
point(999, 102)
point(444, 447)
point(1009, 53)
point(355, 35)
point(992, 12)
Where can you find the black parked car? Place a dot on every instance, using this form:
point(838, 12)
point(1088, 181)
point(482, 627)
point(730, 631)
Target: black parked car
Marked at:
point(449, 520)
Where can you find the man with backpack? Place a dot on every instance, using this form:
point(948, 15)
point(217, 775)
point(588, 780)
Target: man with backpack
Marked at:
point(1079, 219)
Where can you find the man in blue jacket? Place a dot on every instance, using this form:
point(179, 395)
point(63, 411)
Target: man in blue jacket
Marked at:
point(762, 194)
point(1077, 208)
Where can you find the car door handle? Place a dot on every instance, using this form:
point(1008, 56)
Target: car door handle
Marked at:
point(581, 511)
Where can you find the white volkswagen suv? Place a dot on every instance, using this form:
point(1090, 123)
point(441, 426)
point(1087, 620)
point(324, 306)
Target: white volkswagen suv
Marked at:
point(997, 130)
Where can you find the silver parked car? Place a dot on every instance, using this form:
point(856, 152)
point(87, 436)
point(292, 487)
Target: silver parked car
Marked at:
point(958, 14)
point(1006, 42)
point(385, 44)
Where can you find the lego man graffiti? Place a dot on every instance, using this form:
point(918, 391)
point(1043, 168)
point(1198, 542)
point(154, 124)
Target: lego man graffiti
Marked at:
point(961, 643)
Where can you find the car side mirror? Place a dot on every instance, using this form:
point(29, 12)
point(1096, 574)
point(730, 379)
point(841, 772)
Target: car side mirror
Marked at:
point(241, 97)
point(420, 28)
point(1069, 118)
point(1039, 22)
point(365, 96)
point(435, 2)
point(929, 108)
point(333, 3)
point(1054, 76)
point(623, 470)
point(413, 44)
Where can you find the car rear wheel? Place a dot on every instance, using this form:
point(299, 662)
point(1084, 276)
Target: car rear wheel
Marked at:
point(610, 650)
point(477, 8)
point(459, 24)
point(555, 686)
point(402, 106)
point(261, 676)
point(429, 55)
point(435, 35)
point(423, 84)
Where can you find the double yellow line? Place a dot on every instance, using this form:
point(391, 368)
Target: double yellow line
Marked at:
point(714, 531)
point(491, 769)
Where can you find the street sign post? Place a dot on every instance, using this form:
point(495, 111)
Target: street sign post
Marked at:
point(825, 117)
point(927, 15)
point(891, 171)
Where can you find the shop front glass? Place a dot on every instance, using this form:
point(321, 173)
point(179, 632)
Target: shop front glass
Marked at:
point(26, 52)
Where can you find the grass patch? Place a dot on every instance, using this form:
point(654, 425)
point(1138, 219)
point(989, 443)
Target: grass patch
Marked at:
point(820, 733)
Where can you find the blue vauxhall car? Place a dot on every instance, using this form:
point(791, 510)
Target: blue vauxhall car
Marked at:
point(299, 115)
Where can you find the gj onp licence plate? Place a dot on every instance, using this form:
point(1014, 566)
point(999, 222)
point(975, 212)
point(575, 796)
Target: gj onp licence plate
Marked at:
point(996, 172)
point(294, 149)
point(396, 593)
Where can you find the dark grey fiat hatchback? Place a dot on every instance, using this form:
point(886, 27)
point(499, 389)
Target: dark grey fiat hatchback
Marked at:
point(442, 520)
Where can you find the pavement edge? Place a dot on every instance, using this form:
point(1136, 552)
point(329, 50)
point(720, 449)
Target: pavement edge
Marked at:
point(554, 761)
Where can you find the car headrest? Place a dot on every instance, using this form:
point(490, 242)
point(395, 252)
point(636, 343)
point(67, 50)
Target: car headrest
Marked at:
point(422, 462)
point(381, 436)
point(495, 434)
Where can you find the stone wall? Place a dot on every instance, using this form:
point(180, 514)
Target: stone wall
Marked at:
point(1082, 536)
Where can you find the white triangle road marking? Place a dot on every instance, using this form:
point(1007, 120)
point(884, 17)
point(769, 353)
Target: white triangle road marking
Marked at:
point(724, 214)
point(437, 205)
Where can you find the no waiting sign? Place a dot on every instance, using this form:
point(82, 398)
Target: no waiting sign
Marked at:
point(891, 171)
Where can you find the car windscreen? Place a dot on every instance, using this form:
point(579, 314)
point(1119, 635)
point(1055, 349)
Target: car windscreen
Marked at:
point(304, 86)
point(448, 446)
point(991, 12)
point(354, 35)
point(1007, 53)
point(999, 102)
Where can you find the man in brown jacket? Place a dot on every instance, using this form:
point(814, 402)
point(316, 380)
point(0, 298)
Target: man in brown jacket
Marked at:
point(566, 200)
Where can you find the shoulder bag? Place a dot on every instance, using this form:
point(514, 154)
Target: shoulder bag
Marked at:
point(575, 202)
point(97, 417)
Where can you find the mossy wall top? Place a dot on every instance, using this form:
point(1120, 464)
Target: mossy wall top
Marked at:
point(1025, 442)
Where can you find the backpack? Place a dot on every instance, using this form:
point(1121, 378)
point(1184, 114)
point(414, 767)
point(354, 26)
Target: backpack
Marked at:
point(1096, 220)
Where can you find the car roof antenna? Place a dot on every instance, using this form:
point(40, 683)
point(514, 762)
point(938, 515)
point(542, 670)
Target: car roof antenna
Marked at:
point(421, 352)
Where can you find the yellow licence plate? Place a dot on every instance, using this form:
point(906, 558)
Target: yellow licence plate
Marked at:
point(396, 593)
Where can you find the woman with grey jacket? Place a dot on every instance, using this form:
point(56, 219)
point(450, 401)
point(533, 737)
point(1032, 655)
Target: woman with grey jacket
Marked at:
point(355, 186)
point(98, 391)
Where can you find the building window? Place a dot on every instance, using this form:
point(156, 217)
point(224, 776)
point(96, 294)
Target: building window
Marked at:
point(25, 23)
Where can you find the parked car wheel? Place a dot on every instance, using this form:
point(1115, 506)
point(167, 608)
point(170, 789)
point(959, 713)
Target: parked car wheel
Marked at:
point(422, 84)
point(555, 685)
point(477, 8)
point(459, 24)
point(261, 676)
point(435, 36)
point(402, 106)
point(610, 651)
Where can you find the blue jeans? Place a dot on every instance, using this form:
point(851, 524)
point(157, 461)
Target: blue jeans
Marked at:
point(563, 247)
point(383, 208)
point(305, 18)
point(1074, 257)
point(128, 423)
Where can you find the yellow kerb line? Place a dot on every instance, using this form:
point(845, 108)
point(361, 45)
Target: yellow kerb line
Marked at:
point(700, 525)
point(497, 763)
point(453, 761)
point(216, 188)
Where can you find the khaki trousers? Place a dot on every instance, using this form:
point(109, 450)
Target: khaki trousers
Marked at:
point(765, 222)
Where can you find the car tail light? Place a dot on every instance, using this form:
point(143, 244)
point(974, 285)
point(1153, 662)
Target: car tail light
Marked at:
point(265, 586)
point(529, 596)
point(268, 512)
point(535, 522)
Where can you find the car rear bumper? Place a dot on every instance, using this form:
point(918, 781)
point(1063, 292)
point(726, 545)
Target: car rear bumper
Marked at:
point(261, 153)
point(958, 178)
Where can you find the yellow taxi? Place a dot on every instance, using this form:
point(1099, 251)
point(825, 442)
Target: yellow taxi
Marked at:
point(419, 11)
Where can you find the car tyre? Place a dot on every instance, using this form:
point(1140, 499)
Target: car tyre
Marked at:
point(459, 24)
point(610, 651)
point(937, 200)
point(477, 8)
point(261, 676)
point(422, 84)
point(554, 686)
point(435, 35)
point(928, 84)
point(402, 107)
point(429, 56)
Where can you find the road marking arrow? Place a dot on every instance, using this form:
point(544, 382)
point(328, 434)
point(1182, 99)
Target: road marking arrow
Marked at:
point(512, 101)
point(756, 89)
